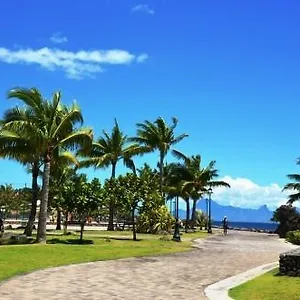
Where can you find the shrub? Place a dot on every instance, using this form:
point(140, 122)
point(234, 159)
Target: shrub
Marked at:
point(201, 218)
point(293, 237)
point(155, 220)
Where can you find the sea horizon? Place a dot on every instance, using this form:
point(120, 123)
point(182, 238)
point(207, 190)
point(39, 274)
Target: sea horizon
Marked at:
point(250, 225)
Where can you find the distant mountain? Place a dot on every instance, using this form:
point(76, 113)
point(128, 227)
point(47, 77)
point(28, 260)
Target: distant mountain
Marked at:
point(234, 214)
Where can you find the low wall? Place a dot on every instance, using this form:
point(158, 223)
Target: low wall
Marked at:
point(289, 263)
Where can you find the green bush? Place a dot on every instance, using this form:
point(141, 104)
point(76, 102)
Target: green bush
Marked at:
point(201, 218)
point(155, 220)
point(293, 237)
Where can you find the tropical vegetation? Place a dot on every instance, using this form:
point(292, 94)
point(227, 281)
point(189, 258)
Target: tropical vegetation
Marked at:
point(49, 139)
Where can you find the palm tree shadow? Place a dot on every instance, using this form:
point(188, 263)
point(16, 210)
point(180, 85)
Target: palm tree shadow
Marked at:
point(70, 242)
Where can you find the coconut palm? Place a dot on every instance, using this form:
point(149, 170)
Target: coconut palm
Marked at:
point(106, 152)
point(160, 136)
point(175, 176)
point(194, 181)
point(52, 127)
point(294, 186)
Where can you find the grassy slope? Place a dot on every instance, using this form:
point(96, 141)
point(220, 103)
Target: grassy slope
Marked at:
point(268, 287)
point(20, 259)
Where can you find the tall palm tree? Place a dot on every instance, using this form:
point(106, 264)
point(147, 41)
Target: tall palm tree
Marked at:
point(160, 136)
point(107, 151)
point(196, 180)
point(294, 186)
point(52, 126)
point(175, 176)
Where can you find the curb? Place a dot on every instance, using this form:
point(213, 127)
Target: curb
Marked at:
point(219, 290)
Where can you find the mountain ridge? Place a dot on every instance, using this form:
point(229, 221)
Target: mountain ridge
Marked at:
point(233, 213)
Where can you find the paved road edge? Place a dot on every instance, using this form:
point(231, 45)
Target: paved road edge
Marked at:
point(219, 290)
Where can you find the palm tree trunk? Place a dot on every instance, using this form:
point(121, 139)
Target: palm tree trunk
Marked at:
point(66, 223)
point(194, 212)
point(187, 214)
point(111, 202)
point(34, 186)
point(133, 225)
point(161, 171)
point(41, 233)
point(81, 230)
point(58, 218)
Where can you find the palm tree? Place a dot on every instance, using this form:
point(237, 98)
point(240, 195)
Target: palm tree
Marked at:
point(107, 151)
point(158, 135)
point(175, 176)
point(52, 127)
point(194, 181)
point(14, 145)
point(294, 186)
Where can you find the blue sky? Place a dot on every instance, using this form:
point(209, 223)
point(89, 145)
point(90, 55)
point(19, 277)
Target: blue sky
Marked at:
point(228, 70)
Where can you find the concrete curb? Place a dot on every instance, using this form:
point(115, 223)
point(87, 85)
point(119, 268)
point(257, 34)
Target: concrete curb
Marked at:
point(219, 290)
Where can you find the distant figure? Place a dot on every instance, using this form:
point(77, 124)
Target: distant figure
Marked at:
point(225, 225)
point(1, 226)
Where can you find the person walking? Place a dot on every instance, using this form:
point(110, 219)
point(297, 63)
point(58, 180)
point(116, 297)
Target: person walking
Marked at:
point(225, 225)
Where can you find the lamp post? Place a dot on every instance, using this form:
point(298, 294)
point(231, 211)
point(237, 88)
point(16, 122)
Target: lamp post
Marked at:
point(176, 236)
point(206, 223)
point(209, 192)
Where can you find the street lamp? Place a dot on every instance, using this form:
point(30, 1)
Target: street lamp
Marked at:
point(209, 192)
point(206, 223)
point(176, 236)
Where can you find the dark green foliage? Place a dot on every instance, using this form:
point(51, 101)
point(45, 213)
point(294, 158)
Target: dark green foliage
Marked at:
point(293, 237)
point(288, 219)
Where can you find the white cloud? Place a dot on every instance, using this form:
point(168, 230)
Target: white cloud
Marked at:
point(142, 57)
point(246, 193)
point(76, 65)
point(58, 38)
point(143, 8)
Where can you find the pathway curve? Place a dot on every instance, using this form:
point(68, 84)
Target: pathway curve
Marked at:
point(175, 276)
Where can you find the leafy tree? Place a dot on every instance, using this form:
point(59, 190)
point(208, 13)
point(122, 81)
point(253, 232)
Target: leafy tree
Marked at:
point(87, 199)
point(288, 219)
point(107, 151)
point(130, 191)
point(160, 136)
point(153, 214)
point(135, 194)
point(12, 199)
point(7, 197)
point(53, 127)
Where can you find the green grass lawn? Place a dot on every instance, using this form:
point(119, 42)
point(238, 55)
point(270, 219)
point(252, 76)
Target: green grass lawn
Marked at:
point(63, 250)
point(268, 287)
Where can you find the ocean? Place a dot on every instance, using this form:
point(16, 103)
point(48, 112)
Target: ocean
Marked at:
point(248, 225)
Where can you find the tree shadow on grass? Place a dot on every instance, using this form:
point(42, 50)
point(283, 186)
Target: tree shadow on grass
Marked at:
point(70, 242)
point(107, 238)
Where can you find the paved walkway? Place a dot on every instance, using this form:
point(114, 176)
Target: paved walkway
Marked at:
point(175, 276)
